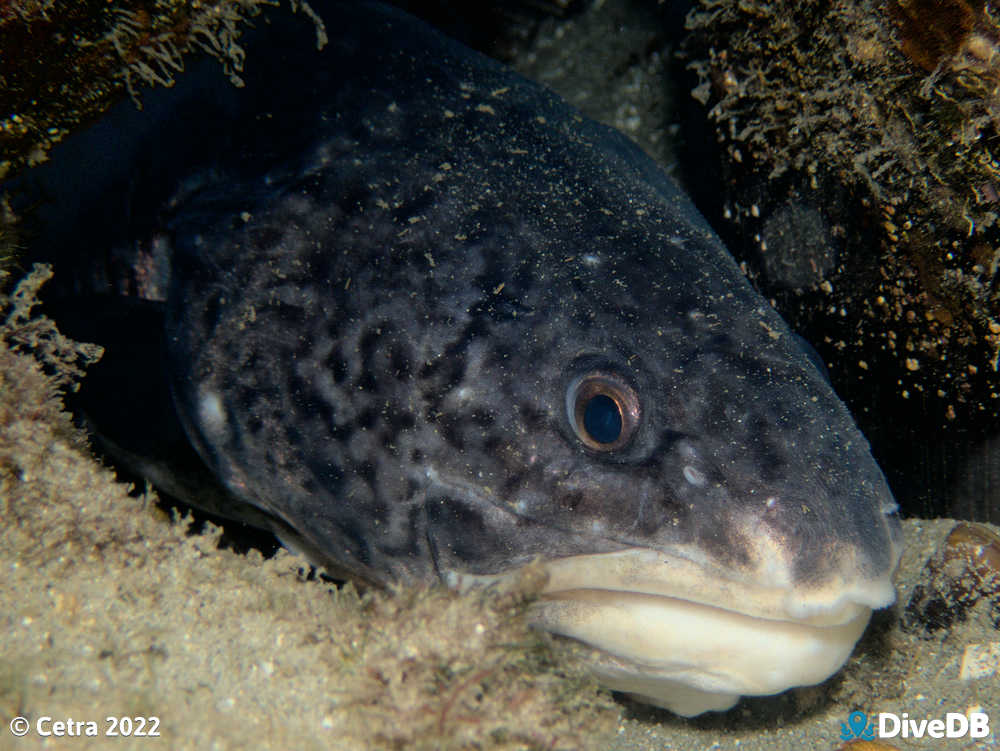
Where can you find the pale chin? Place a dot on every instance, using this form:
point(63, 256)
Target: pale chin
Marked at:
point(692, 658)
point(674, 631)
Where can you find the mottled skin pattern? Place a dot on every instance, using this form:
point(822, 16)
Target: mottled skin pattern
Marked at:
point(375, 318)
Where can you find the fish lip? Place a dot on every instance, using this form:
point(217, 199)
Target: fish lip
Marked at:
point(681, 574)
point(691, 658)
point(675, 629)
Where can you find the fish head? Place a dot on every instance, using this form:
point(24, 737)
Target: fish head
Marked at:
point(714, 522)
point(618, 401)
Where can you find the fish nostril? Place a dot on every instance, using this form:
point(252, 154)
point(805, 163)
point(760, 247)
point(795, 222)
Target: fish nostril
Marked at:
point(694, 476)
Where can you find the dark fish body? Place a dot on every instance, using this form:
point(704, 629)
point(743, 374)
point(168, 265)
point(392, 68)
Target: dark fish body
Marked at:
point(437, 323)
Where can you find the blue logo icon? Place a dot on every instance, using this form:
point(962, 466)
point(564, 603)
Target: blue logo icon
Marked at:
point(857, 726)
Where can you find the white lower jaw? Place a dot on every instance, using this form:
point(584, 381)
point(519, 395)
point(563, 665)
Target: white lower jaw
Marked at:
point(692, 658)
point(682, 634)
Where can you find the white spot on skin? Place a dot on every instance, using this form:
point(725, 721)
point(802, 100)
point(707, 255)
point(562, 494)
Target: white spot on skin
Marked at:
point(211, 413)
point(591, 260)
point(694, 476)
point(771, 502)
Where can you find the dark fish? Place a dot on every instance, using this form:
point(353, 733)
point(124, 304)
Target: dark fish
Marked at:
point(436, 323)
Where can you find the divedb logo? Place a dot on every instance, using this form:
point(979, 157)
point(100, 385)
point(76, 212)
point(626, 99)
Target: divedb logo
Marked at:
point(891, 725)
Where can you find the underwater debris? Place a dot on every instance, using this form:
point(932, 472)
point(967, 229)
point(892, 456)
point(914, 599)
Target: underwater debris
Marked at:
point(884, 119)
point(963, 573)
point(830, 105)
point(931, 31)
point(24, 332)
point(93, 50)
point(36, 363)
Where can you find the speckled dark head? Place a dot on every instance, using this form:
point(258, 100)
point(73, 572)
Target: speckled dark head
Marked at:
point(438, 323)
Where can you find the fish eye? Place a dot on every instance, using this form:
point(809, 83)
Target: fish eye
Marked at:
point(603, 410)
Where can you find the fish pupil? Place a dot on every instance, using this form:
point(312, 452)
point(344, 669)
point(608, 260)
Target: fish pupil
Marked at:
point(602, 419)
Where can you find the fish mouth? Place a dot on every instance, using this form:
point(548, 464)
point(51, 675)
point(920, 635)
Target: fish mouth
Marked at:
point(678, 633)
